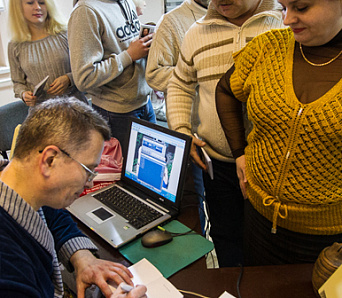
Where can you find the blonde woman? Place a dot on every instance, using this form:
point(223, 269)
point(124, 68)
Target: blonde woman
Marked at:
point(39, 48)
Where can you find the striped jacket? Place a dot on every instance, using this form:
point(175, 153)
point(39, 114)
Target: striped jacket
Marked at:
point(205, 56)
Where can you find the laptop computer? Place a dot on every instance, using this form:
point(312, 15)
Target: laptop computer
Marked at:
point(153, 173)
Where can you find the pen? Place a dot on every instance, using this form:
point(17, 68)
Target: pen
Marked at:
point(126, 288)
point(160, 228)
point(197, 137)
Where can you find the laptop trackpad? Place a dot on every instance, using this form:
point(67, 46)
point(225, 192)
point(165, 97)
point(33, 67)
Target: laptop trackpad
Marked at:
point(100, 215)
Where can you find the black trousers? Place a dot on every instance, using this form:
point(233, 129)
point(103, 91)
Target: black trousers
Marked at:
point(261, 247)
point(225, 203)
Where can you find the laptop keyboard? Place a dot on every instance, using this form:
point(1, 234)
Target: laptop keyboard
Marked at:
point(137, 213)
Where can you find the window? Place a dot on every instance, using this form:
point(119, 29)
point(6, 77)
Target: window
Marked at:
point(171, 4)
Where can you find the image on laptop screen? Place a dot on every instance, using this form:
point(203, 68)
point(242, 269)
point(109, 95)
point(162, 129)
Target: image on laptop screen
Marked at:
point(154, 160)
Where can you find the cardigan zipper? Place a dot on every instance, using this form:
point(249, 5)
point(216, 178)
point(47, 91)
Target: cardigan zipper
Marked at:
point(282, 174)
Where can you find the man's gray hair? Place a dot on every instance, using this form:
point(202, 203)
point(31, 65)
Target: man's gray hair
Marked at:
point(64, 122)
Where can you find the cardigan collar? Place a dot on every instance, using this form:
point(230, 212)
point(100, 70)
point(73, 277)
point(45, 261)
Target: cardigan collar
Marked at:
point(30, 220)
point(33, 223)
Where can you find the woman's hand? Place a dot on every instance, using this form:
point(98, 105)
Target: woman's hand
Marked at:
point(59, 85)
point(241, 173)
point(29, 99)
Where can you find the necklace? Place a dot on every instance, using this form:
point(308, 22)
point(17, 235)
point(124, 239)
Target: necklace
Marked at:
point(314, 64)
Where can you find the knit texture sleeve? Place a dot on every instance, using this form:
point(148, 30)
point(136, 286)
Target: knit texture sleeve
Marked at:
point(64, 36)
point(17, 74)
point(163, 54)
point(72, 246)
point(32, 61)
point(68, 238)
point(182, 89)
point(3, 163)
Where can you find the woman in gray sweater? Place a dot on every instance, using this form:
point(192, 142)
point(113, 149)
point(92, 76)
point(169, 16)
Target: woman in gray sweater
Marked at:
point(39, 48)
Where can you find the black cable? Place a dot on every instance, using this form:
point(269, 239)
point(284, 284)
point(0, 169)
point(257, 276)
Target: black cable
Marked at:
point(206, 215)
point(239, 281)
point(206, 211)
point(191, 232)
point(174, 234)
point(191, 205)
point(200, 206)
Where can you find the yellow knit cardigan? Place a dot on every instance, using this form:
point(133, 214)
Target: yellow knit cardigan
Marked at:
point(293, 157)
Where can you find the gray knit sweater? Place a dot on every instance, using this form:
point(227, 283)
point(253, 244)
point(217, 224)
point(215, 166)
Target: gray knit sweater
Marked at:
point(31, 61)
point(100, 32)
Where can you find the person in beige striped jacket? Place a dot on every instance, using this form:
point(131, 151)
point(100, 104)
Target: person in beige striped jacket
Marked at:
point(206, 54)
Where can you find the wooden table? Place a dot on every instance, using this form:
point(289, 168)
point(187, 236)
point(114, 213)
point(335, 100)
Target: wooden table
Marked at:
point(286, 281)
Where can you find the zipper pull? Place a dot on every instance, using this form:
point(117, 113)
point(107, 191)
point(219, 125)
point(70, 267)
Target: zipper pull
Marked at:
point(238, 38)
point(300, 111)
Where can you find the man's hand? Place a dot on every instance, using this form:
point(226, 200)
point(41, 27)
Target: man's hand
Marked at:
point(241, 173)
point(29, 99)
point(193, 152)
point(137, 292)
point(59, 85)
point(139, 48)
point(90, 270)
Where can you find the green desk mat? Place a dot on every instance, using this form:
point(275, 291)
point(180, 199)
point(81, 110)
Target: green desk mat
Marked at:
point(171, 257)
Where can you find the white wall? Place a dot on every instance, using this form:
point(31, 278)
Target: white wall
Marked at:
point(153, 11)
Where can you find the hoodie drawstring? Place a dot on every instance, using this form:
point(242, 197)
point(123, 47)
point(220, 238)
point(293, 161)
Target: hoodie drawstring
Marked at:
point(126, 10)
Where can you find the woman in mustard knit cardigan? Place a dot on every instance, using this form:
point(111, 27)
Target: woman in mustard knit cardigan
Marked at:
point(290, 167)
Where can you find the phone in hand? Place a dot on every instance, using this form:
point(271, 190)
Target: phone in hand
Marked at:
point(146, 30)
point(206, 159)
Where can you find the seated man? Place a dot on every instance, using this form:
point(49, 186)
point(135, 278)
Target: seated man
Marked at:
point(58, 147)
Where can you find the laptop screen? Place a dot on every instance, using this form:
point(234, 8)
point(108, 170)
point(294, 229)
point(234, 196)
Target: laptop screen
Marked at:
point(156, 158)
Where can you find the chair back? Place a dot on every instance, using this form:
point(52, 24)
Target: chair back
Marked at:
point(11, 115)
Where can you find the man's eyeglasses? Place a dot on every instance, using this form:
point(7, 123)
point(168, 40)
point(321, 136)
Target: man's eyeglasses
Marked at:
point(90, 173)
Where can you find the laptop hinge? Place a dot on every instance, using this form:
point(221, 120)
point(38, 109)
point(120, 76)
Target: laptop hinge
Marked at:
point(157, 206)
